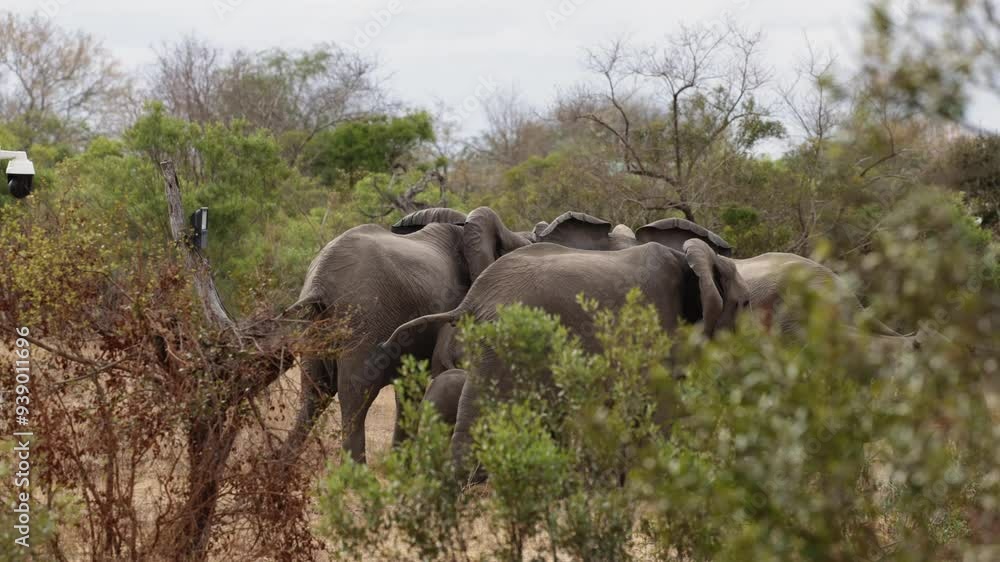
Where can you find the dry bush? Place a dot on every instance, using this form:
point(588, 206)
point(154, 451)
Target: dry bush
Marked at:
point(139, 407)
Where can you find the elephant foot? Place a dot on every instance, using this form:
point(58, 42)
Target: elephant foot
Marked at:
point(354, 446)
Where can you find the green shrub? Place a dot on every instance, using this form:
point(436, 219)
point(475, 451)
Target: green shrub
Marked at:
point(49, 513)
point(418, 499)
point(744, 229)
point(971, 165)
point(526, 469)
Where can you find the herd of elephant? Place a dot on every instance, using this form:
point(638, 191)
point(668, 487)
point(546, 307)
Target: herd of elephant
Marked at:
point(402, 291)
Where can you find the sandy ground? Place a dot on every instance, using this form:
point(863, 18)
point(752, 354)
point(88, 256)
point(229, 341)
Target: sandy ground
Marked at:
point(280, 408)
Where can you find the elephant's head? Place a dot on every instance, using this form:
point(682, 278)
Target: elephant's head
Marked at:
point(621, 237)
point(673, 233)
point(576, 230)
point(722, 293)
point(486, 239)
point(419, 219)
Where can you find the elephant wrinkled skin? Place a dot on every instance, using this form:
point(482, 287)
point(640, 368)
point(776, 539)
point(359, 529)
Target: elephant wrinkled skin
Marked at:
point(696, 285)
point(379, 280)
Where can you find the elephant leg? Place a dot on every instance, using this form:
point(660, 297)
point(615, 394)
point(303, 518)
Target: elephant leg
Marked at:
point(357, 394)
point(318, 385)
point(444, 393)
point(398, 433)
point(461, 440)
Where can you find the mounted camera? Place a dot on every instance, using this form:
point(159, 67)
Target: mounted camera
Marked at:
point(20, 172)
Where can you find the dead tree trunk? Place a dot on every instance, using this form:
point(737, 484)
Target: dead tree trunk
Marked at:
point(224, 381)
point(204, 284)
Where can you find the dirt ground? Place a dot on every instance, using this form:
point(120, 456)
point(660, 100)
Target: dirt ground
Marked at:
point(284, 397)
point(323, 446)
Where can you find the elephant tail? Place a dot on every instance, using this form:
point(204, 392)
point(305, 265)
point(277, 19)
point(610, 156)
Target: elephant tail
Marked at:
point(309, 305)
point(307, 308)
point(419, 333)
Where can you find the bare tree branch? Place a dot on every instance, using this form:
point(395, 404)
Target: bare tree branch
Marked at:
point(705, 78)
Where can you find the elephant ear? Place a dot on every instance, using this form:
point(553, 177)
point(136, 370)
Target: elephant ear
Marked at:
point(577, 230)
point(419, 219)
point(672, 233)
point(485, 239)
point(702, 260)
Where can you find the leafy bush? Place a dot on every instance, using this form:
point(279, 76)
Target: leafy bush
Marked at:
point(526, 469)
point(372, 145)
point(744, 229)
point(419, 499)
point(60, 511)
point(971, 165)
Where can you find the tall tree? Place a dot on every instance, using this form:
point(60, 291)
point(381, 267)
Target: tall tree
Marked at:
point(933, 55)
point(375, 145)
point(293, 93)
point(56, 85)
point(188, 77)
point(672, 109)
point(515, 132)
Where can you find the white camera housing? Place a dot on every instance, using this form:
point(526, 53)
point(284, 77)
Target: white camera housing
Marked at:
point(20, 172)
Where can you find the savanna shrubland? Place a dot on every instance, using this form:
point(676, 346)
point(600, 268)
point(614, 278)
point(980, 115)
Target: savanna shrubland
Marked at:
point(834, 444)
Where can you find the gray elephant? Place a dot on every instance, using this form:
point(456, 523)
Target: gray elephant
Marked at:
point(768, 275)
point(444, 392)
point(377, 280)
point(696, 285)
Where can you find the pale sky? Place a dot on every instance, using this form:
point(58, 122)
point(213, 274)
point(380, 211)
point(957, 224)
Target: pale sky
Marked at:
point(444, 49)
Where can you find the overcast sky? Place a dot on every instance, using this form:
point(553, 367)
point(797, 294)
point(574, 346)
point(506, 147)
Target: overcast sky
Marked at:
point(444, 49)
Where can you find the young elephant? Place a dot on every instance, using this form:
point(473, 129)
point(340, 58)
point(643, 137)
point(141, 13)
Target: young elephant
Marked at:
point(444, 392)
point(695, 285)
